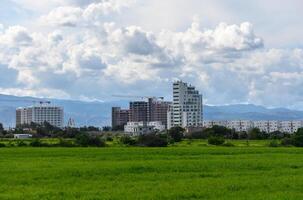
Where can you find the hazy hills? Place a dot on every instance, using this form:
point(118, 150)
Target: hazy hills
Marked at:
point(99, 113)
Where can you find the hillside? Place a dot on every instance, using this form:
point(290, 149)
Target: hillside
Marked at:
point(99, 113)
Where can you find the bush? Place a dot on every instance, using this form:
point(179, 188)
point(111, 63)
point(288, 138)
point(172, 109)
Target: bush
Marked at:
point(66, 143)
point(216, 140)
point(21, 143)
point(2, 145)
point(85, 140)
point(152, 140)
point(96, 142)
point(297, 138)
point(228, 144)
point(176, 133)
point(287, 142)
point(199, 135)
point(109, 139)
point(127, 140)
point(37, 143)
point(273, 143)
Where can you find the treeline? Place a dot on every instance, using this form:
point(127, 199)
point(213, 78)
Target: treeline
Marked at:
point(221, 131)
point(46, 130)
point(218, 134)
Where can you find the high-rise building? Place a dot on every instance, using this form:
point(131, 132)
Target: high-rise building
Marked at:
point(39, 114)
point(120, 117)
point(187, 108)
point(138, 111)
point(157, 111)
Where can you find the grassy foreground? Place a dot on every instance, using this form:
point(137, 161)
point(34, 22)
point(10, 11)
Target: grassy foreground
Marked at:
point(151, 173)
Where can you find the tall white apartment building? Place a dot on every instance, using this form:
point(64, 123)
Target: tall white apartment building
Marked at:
point(187, 107)
point(39, 114)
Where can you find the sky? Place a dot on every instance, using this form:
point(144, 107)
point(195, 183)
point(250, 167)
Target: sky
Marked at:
point(233, 51)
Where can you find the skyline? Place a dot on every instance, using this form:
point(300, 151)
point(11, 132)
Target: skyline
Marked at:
point(233, 52)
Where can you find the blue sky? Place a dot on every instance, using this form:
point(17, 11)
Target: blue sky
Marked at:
point(233, 51)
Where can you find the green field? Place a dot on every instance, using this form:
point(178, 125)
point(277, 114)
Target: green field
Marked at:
point(151, 173)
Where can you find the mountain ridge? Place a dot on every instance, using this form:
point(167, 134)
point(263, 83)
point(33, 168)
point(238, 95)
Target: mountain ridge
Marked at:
point(98, 113)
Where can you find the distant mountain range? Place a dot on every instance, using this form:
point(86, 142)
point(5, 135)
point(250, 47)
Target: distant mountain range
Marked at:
point(99, 113)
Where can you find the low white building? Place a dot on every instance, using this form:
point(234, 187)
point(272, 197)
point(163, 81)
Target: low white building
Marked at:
point(211, 123)
point(290, 126)
point(140, 128)
point(240, 125)
point(22, 136)
point(267, 126)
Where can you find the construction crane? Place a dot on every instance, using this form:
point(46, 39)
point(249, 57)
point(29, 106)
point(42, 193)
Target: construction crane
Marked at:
point(26, 101)
point(138, 97)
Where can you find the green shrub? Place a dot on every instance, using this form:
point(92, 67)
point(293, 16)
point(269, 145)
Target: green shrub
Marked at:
point(273, 143)
point(286, 142)
point(2, 145)
point(152, 140)
point(109, 139)
point(228, 144)
point(297, 138)
point(85, 140)
point(21, 143)
point(216, 140)
point(66, 143)
point(127, 140)
point(176, 133)
point(96, 142)
point(36, 143)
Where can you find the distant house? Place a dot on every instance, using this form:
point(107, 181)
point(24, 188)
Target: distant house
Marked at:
point(22, 136)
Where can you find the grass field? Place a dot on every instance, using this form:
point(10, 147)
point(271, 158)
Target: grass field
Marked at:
point(151, 173)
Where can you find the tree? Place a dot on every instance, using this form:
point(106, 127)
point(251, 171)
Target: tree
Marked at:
point(276, 135)
point(1, 128)
point(106, 128)
point(256, 134)
point(152, 140)
point(127, 140)
point(216, 140)
point(297, 138)
point(176, 133)
point(221, 131)
point(85, 140)
point(118, 128)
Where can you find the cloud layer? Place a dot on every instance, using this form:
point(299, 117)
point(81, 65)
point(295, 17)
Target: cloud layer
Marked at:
point(85, 54)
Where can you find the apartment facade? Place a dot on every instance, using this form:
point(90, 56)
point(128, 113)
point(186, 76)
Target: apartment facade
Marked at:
point(267, 126)
point(120, 117)
point(39, 114)
point(187, 107)
point(152, 110)
point(138, 111)
point(157, 110)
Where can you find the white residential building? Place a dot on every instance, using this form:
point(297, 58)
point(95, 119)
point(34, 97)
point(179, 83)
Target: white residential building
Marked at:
point(22, 136)
point(39, 114)
point(290, 126)
point(240, 125)
point(267, 126)
point(140, 128)
point(211, 123)
point(187, 108)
